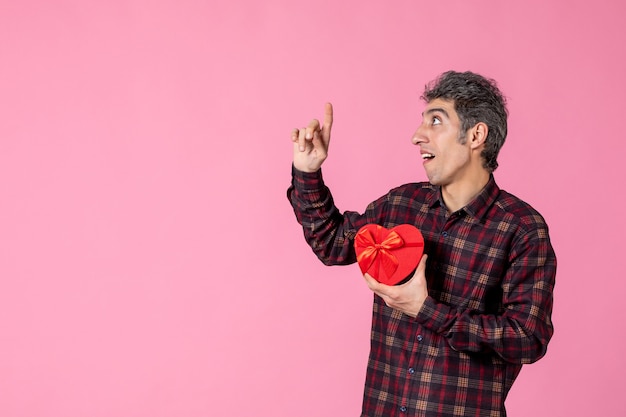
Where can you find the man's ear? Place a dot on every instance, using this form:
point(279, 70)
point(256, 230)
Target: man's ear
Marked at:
point(478, 135)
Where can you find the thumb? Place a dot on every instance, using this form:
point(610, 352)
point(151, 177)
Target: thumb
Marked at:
point(422, 264)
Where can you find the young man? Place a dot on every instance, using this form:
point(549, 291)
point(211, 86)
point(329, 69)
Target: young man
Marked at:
point(451, 340)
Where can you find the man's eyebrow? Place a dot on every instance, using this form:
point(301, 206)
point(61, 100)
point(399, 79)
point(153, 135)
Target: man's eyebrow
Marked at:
point(435, 110)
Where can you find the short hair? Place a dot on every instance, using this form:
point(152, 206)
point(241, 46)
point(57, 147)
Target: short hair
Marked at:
point(476, 99)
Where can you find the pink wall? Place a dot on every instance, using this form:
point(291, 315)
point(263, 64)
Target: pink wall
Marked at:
point(150, 264)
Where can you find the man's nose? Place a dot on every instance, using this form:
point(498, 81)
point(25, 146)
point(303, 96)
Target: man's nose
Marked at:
point(419, 136)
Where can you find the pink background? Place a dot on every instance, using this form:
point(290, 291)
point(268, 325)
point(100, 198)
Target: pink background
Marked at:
point(150, 264)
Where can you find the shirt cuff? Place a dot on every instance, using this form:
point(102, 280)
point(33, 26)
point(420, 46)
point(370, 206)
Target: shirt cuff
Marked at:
point(434, 316)
point(307, 181)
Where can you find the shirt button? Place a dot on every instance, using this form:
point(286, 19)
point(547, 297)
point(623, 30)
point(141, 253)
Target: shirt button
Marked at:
point(419, 338)
point(444, 234)
point(403, 409)
point(411, 371)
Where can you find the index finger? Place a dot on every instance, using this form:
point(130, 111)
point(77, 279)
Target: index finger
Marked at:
point(374, 285)
point(328, 119)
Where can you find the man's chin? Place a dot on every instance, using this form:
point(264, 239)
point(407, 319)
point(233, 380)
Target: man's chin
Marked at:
point(432, 180)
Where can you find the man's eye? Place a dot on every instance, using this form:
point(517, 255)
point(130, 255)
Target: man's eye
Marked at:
point(436, 121)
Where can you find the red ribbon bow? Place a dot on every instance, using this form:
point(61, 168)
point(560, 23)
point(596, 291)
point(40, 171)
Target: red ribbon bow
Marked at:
point(382, 251)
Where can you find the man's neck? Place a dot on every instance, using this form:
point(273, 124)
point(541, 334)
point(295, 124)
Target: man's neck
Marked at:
point(459, 194)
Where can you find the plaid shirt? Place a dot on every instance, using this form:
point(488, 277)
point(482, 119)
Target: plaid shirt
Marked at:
point(490, 275)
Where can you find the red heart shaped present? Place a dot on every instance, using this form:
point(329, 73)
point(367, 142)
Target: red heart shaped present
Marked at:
point(389, 255)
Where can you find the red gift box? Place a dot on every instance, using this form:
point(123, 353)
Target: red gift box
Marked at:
point(389, 256)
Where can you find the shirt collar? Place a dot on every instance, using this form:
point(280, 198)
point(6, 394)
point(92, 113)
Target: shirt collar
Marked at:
point(479, 206)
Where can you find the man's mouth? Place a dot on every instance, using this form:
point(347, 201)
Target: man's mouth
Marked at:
point(427, 156)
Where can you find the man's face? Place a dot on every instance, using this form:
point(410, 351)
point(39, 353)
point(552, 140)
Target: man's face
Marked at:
point(446, 159)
